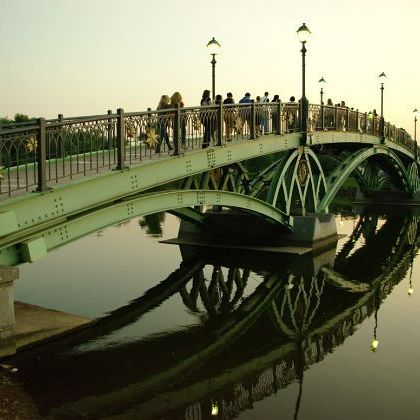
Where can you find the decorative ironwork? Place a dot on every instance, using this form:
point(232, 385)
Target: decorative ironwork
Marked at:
point(130, 129)
point(83, 145)
point(196, 123)
point(297, 188)
point(31, 144)
point(238, 124)
point(151, 137)
point(302, 172)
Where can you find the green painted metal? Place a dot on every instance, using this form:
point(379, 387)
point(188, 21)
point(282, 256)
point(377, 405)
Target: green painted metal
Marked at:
point(33, 249)
point(347, 137)
point(70, 229)
point(344, 170)
point(40, 210)
point(190, 215)
point(8, 222)
point(66, 200)
point(286, 180)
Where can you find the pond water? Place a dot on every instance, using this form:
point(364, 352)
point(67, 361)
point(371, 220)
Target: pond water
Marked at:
point(194, 333)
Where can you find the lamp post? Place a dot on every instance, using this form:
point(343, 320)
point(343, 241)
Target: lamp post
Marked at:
point(382, 78)
point(303, 34)
point(416, 114)
point(213, 47)
point(322, 82)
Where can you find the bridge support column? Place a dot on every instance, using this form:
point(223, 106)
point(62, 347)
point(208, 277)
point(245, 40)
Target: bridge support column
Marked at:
point(314, 230)
point(235, 229)
point(7, 311)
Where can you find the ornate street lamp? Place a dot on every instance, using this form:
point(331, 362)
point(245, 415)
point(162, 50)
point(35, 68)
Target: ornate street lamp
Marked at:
point(213, 47)
point(416, 114)
point(382, 78)
point(322, 82)
point(303, 34)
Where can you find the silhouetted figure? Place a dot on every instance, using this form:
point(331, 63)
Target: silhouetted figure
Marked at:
point(274, 115)
point(205, 118)
point(163, 123)
point(229, 115)
point(176, 99)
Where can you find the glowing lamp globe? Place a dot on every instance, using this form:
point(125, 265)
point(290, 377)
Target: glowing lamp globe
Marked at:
point(213, 46)
point(303, 33)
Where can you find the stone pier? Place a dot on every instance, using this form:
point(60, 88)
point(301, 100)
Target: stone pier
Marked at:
point(7, 310)
point(24, 325)
point(236, 229)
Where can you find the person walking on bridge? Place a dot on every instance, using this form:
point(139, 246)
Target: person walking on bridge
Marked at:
point(163, 123)
point(274, 115)
point(205, 118)
point(245, 112)
point(229, 115)
point(264, 114)
point(176, 99)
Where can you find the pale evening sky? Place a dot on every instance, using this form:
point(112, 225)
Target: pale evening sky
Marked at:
point(84, 57)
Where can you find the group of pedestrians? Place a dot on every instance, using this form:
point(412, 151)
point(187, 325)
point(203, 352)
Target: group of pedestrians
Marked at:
point(234, 119)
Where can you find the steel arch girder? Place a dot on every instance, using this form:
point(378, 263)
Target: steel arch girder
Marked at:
point(343, 171)
point(67, 231)
point(279, 183)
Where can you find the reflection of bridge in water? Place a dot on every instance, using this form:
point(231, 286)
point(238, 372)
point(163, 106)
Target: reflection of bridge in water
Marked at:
point(248, 344)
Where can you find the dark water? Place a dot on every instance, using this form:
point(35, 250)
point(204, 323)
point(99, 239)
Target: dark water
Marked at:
point(194, 334)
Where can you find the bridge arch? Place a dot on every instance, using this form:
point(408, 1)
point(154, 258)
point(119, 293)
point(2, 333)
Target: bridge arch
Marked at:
point(141, 205)
point(299, 177)
point(336, 179)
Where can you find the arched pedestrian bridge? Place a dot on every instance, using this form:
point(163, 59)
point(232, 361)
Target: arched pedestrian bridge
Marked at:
point(92, 172)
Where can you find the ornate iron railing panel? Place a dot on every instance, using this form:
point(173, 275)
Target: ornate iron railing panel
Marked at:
point(73, 147)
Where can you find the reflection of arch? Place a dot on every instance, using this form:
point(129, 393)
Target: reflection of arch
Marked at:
point(300, 303)
point(366, 223)
point(344, 170)
point(388, 244)
point(221, 295)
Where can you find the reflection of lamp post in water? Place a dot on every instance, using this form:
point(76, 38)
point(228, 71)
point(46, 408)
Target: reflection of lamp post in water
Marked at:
point(410, 284)
point(375, 343)
point(299, 361)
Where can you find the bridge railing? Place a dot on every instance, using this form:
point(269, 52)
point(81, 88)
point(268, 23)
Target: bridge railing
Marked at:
point(49, 151)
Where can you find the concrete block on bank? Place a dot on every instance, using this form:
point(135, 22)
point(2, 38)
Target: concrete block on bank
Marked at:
point(7, 313)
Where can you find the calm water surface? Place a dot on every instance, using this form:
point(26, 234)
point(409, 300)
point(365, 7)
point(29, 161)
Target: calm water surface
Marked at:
point(194, 334)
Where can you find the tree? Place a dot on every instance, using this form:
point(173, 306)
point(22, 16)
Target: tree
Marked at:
point(4, 121)
point(20, 118)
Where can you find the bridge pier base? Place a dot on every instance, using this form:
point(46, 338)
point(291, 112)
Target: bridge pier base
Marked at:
point(7, 311)
point(314, 230)
point(236, 229)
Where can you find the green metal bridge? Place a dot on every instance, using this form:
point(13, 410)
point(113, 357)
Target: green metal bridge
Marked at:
point(63, 178)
